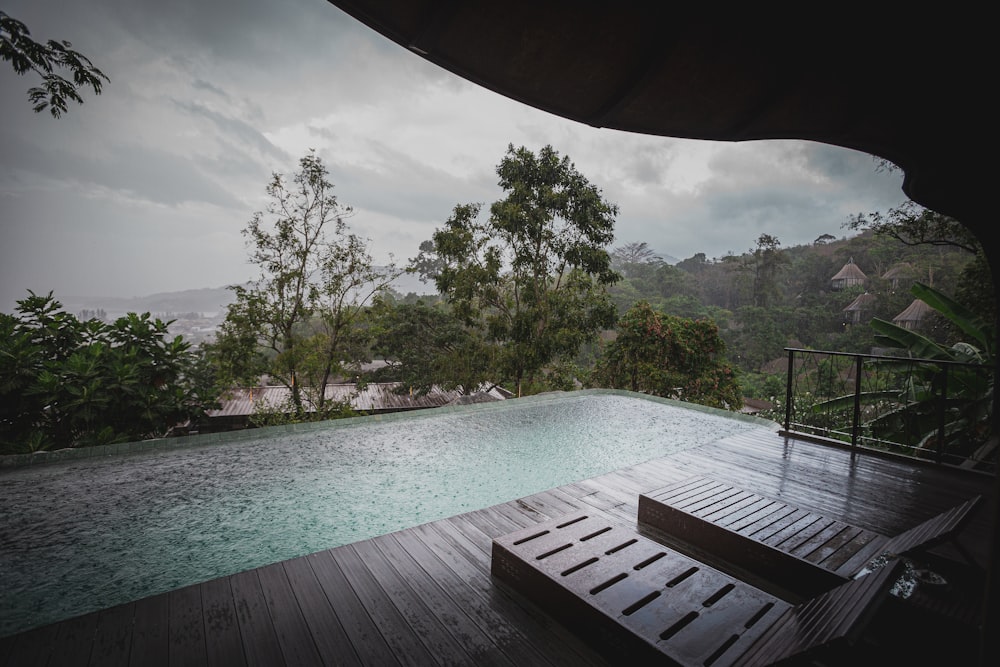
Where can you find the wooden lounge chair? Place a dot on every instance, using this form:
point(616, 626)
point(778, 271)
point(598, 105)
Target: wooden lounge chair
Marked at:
point(798, 550)
point(641, 602)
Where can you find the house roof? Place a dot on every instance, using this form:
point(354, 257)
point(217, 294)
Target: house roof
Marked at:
point(863, 302)
point(915, 312)
point(902, 270)
point(374, 397)
point(850, 271)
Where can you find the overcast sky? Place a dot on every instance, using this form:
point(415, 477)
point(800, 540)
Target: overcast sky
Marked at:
point(146, 188)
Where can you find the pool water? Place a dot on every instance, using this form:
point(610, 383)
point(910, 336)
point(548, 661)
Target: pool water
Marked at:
point(83, 535)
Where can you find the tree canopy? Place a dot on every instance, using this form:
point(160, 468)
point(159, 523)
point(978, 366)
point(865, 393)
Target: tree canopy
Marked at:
point(298, 322)
point(669, 356)
point(71, 383)
point(427, 345)
point(533, 273)
point(47, 60)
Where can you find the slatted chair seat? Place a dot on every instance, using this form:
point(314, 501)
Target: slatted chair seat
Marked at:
point(640, 602)
point(798, 550)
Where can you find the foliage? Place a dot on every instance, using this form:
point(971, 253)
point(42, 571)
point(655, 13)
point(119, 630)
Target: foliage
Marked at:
point(301, 321)
point(532, 275)
point(46, 60)
point(911, 225)
point(72, 383)
point(284, 413)
point(425, 346)
point(669, 356)
point(764, 264)
point(939, 407)
point(427, 264)
point(632, 256)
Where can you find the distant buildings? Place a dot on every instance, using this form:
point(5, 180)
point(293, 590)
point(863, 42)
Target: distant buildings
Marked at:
point(238, 405)
point(861, 308)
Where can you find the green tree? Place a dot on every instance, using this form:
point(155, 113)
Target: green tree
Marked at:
point(72, 383)
point(299, 320)
point(47, 61)
point(426, 346)
point(629, 257)
point(427, 264)
point(668, 356)
point(533, 274)
point(912, 225)
point(764, 263)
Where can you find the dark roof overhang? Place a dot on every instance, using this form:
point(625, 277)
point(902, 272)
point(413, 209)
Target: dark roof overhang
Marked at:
point(912, 89)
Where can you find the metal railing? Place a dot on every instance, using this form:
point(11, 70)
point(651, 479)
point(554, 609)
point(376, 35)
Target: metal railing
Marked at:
point(929, 409)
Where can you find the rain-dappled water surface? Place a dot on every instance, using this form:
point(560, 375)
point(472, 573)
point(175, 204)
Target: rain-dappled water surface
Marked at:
point(84, 535)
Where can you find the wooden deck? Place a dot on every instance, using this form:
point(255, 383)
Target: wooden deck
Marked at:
point(425, 595)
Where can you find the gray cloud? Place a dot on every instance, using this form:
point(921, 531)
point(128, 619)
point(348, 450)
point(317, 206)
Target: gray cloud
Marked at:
point(145, 188)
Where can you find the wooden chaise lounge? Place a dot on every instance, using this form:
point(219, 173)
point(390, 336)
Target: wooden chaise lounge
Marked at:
point(640, 602)
point(798, 550)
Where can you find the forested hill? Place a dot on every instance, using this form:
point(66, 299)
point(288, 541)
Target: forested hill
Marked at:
point(772, 297)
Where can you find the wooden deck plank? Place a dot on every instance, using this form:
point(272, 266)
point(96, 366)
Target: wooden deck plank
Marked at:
point(411, 610)
point(806, 545)
point(455, 619)
point(150, 636)
point(474, 565)
point(113, 636)
point(259, 638)
point(186, 629)
point(400, 637)
point(331, 641)
point(558, 647)
point(480, 602)
point(222, 628)
point(841, 547)
point(365, 636)
point(33, 647)
point(74, 641)
point(293, 635)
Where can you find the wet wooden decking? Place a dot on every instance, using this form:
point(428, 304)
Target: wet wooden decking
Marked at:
point(425, 596)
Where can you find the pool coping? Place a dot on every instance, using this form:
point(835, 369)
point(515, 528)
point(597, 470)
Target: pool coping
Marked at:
point(12, 461)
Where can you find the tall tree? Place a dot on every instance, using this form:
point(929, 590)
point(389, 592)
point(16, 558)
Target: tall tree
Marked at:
point(316, 279)
point(534, 272)
point(629, 258)
point(764, 263)
point(47, 61)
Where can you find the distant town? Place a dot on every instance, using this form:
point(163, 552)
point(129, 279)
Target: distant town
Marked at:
point(196, 313)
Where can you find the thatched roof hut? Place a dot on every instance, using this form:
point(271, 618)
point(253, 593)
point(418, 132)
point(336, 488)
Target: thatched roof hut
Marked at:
point(912, 315)
point(849, 276)
point(900, 273)
point(856, 310)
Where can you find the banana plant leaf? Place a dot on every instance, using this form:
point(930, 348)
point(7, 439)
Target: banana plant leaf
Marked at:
point(888, 334)
point(969, 322)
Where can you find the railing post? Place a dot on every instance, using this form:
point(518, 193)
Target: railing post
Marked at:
point(856, 420)
point(788, 390)
point(942, 401)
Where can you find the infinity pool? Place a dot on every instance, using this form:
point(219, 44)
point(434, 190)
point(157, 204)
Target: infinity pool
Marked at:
point(82, 535)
